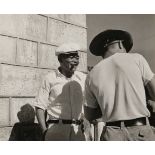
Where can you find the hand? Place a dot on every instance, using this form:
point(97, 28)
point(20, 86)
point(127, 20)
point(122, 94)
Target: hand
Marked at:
point(94, 122)
point(152, 105)
point(44, 130)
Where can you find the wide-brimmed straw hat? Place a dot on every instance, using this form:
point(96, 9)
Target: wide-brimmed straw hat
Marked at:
point(100, 42)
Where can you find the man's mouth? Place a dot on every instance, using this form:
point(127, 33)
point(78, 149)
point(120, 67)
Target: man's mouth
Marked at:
point(73, 66)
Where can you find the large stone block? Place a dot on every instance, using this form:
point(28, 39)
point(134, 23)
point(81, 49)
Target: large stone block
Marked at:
point(22, 110)
point(78, 19)
point(4, 111)
point(25, 26)
point(82, 62)
point(60, 32)
point(20, 81)
point(5, 133)
point(26, 53)
point(46, 56)
point(7, 49)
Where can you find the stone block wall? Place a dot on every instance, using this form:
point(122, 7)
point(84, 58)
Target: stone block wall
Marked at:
point(27, 53)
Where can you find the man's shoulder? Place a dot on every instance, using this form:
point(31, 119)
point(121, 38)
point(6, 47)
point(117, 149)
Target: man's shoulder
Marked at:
point(80, 75)
point(136, 56)
point(98, 66)
point(50, 74)
point(127, 57)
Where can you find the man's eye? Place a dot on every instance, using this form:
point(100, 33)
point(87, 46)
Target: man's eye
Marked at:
point(72, 57)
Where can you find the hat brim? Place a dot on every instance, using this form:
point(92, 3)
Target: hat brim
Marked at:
point(67, 53)
point(97, 46)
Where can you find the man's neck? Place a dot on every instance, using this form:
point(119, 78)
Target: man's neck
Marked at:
point(108, 54)
point(114, 48)
point(67, 74)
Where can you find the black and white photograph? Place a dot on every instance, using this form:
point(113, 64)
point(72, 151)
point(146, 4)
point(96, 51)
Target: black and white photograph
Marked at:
point(77, 77)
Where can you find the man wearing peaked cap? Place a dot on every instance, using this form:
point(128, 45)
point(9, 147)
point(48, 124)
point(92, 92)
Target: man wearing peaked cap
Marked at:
point(62, 96)
point(115, 88)
point(67, 48)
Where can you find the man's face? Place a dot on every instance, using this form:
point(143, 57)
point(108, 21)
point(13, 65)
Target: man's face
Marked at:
point(70, 61)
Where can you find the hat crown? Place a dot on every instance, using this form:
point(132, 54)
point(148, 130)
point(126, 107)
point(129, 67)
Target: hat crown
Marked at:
point(67, 47)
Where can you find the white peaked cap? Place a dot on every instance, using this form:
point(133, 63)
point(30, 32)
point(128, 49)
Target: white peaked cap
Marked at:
point(66, 48)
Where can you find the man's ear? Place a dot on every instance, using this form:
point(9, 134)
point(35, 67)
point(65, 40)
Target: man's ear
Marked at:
point(120, 44)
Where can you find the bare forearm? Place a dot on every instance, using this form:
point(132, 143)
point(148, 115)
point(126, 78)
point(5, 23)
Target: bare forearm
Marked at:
point(151, 88)
point(40, 113)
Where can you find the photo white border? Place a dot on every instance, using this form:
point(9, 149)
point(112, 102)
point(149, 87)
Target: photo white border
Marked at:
point(77, 7)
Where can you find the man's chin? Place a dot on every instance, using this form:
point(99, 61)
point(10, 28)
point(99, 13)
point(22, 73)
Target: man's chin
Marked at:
point(73, 70)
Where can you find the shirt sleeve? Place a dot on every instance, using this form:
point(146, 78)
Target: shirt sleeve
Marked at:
point(42, 97)
point(90, 98)
point(146, 71)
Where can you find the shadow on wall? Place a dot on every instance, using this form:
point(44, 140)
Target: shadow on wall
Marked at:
point(26, 129)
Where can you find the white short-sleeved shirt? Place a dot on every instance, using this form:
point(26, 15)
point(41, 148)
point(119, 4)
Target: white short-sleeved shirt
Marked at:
point(62, 97)
point(117, 85)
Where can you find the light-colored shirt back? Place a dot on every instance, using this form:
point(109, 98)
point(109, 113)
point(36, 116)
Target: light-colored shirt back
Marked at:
point(117, 85)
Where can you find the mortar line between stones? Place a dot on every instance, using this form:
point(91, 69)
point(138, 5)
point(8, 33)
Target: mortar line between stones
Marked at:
point(10, 100)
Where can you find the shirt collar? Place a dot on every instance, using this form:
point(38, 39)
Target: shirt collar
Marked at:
point(59, 74)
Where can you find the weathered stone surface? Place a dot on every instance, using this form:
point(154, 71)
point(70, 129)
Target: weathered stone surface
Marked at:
point(83, 62)
point(7, 49)
point(5, 133)
point(22, 110)
point(4, 111)
point(24, 81)
point(60, 32)
point(46, 56)
point(25, 26)
point(79, 19)
point(20, 81)
point(26, 53)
